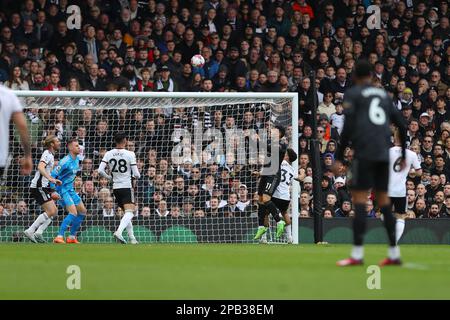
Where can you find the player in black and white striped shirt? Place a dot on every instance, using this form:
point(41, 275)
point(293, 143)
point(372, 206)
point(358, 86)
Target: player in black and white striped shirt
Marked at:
point(41, 190)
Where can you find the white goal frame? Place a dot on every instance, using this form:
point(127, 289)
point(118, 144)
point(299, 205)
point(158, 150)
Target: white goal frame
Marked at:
point(293, 96)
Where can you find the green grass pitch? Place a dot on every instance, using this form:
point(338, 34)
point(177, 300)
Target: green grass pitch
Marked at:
point(218, 271)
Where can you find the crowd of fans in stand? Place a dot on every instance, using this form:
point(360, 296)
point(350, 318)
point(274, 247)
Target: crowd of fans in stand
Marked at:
point(255, 45)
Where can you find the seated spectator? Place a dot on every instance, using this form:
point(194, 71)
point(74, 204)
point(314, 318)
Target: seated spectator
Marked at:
point(199, 213)
point(434, 212)
point(420, 209)
point(304, 214)
point(117, 78)
point(328, 213)
point(175, 211)
point(344, 210)
point(22, 209)
point(162, 210)
point(231, 209)
point(146, 212)
point(214, 210)
point(370, 209)
point(108, 210)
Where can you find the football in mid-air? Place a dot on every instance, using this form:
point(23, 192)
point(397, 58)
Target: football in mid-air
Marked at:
point(198, 61)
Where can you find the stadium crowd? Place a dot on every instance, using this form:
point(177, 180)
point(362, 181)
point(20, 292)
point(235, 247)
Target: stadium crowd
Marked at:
point(254, 45)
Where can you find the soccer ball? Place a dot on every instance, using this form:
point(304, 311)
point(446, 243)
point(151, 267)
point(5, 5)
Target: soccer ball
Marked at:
point(197, 61)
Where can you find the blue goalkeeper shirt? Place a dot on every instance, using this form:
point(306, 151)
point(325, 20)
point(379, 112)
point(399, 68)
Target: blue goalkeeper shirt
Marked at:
point(66, 171)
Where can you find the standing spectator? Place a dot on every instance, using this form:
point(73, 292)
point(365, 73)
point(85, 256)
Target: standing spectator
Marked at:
point(90, 44)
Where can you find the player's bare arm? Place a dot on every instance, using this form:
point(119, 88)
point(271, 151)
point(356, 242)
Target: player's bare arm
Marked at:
point(21, 125)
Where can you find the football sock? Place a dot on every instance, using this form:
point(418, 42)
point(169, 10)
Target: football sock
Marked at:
point(264, 237)
point(288, 231)
point(66, 222)
point(394, 253)
point(357, 252)
point(261, 214)
point(389, 224)
point(126, 219)
point(272, 208)
point(359, 224)
point(42, 218)
point(130, 230)
point(76, 224)
point(44, 226)
point(399, 227)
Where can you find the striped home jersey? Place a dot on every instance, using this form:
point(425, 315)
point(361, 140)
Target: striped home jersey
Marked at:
point(287, 174)
point(39, 181)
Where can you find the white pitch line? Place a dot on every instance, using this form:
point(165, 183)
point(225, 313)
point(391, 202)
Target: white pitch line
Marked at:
point(416, 266)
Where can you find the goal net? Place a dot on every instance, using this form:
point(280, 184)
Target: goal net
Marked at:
point(196, 152)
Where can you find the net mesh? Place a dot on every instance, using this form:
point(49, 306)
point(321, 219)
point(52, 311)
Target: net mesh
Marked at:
point(195, 156)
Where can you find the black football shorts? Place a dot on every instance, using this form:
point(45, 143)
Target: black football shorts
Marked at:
point(268, 184)
point(368, 174)
point(123, 196)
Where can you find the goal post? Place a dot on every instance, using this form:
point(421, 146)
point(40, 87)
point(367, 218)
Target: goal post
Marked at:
point(183, 141)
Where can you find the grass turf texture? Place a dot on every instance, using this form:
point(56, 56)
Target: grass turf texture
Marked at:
point(207, 271)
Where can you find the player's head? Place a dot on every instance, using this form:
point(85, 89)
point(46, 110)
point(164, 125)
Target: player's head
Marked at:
point(363, 72)
point(279, 131)
point(121, 138)
point(73, 146)
point(290, 155)
point(51, 142)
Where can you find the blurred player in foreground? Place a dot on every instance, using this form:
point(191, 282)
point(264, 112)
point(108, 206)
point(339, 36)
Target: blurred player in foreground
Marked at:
point(368, 115)
point(11, 109)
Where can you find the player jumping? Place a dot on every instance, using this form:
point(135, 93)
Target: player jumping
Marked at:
point(368, 114)
point(41, 191)
point(66, 171)
point(270, 178)
point(123, 168)
point(282, 195)
point(397, 181)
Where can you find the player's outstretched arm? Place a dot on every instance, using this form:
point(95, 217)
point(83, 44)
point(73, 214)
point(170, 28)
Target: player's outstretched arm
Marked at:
point(21, 125)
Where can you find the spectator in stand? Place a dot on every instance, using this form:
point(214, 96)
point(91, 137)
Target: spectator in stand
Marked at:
point(54, 84)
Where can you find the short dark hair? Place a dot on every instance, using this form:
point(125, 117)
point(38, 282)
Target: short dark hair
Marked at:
point(363, 69)
point(282, 130)
point(119, 137)
point(291, 154)
point(72, 141)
